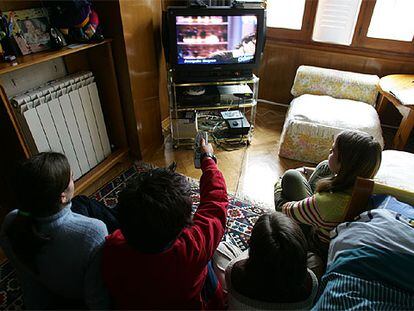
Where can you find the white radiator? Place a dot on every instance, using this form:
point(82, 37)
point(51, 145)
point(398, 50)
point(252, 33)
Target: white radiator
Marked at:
point(65, 116)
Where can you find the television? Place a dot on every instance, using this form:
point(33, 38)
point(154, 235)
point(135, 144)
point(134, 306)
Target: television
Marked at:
point(213, 43)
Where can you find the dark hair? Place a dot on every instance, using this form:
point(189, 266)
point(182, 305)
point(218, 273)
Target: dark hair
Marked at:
point(359, 155)
point(39, 182)
point(154, 208)
point(276, 265)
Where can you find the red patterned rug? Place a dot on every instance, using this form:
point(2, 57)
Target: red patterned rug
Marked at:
point(241, 216)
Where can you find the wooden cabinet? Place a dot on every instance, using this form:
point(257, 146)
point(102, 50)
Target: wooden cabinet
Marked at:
point(129, 77)
point(16, 145)
point(135, 28)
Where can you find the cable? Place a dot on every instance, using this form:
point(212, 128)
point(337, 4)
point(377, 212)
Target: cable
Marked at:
point(241, 170)
point(215, 125)
point(272, 103)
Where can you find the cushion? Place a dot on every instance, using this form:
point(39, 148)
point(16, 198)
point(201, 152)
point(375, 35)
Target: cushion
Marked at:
point(391, 203)
point(336, 83)
point(370, 264)
point(403, 195)
point(313, 121)
point(397, 169)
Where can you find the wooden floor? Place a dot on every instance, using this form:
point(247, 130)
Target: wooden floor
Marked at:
point(250, 170)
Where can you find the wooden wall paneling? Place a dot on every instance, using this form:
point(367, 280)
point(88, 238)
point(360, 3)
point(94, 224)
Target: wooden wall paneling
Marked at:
point(166, 3)
point(164, 102)
point(141, 49)
point(281, 61)
point(152, 107)
point(162, 66)
point(163, 84)
point(110, 18)
point(163, 89)
point(276, 73)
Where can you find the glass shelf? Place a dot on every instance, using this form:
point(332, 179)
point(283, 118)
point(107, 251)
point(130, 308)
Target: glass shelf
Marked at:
point(253, 79)
point(189, 111)
point(217, 106)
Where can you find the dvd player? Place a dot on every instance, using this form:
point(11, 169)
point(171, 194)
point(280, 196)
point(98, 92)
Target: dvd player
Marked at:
point(235, 94)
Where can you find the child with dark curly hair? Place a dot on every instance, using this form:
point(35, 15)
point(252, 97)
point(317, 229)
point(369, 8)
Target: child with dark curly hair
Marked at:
point(160, 256)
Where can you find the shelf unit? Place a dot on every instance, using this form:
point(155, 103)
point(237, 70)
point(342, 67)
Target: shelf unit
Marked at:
point(248, 107)
point(96, 57)
point(36, 58)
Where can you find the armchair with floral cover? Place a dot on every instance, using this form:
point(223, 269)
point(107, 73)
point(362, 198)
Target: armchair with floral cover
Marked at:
point(327, 102)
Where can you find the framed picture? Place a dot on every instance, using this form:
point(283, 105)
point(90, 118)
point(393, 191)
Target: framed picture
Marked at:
point(31, 30)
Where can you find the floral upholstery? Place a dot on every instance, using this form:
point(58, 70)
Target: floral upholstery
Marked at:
point(298, 142)
point(328, 102)
point(335, 83)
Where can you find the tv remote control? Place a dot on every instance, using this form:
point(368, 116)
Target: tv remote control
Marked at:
point(197, 147)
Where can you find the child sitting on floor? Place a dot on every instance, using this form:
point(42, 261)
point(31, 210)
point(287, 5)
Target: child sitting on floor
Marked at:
point(160, 257)
point(321, 202)
point(272, 274)
point(55, 251)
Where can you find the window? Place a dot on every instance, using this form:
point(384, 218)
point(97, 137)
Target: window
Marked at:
point(393, 20)
point(386, 25)
point(335, 21)
point(382, 25)
point(285, 14)
point(290, 19)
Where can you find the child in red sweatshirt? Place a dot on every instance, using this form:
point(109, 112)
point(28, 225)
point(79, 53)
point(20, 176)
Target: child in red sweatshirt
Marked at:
point(160, 257)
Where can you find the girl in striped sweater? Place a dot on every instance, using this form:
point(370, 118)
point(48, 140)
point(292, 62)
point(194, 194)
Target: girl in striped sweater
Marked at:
point(319, 204)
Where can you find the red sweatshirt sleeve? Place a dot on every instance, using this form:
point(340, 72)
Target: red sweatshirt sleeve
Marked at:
point(209, 221)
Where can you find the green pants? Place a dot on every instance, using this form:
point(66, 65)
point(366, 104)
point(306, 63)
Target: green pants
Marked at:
point(293, 186)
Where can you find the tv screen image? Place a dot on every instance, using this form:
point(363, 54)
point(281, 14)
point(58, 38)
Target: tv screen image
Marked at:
point(216, 39)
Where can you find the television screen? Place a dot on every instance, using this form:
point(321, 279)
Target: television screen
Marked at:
point(216, 39)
